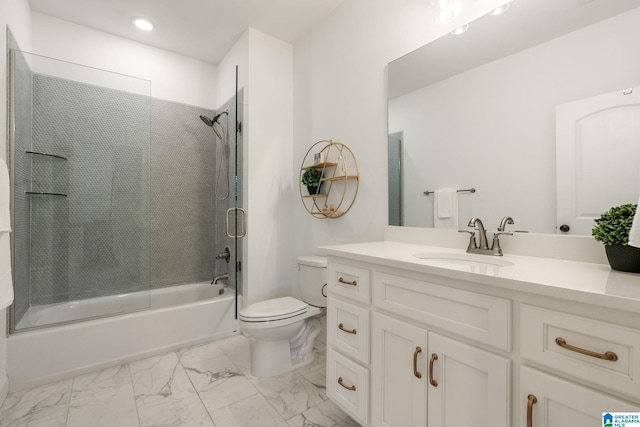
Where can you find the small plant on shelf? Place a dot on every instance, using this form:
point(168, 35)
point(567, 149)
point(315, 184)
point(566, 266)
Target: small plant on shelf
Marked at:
point(311, 178)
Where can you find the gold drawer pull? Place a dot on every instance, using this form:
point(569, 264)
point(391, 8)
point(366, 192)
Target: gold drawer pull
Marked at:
point(531, 400)
point(415, 362)
point(346, 282)
point(433, 382)
point(349, 331)
point(607, 355)
point(352, 388)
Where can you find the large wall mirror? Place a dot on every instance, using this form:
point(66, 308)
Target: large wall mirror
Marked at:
point(537, 109)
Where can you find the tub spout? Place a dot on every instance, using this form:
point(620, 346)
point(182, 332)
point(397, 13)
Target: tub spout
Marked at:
point(216, 279)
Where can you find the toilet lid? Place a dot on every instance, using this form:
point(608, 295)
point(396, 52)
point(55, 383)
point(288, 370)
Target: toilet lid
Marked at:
point(273, 309)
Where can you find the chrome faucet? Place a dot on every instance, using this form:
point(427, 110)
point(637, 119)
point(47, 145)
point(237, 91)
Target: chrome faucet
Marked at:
point(216, 279)
point(503, 224)
point(482, 233)
point(482, 246)
point(495, 246)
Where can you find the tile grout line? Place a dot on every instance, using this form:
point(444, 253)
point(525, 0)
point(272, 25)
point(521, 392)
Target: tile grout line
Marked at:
point(195, 388)
point(133, 393)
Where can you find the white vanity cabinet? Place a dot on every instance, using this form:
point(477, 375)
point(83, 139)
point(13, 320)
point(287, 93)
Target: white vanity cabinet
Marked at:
point(416, 346)
point(348, 333)
point(399, 393)
point(391, 363)
point(601, 353)
point(549, 401)
point(422, 378)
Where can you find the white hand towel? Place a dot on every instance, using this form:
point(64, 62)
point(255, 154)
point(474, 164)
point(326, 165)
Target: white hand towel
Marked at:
point(6, 284)
point(445, 208)
point(634, 233)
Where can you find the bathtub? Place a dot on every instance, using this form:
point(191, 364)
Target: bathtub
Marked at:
point(176, 317)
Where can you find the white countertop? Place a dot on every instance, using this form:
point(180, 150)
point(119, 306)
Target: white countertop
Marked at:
point(574, 281)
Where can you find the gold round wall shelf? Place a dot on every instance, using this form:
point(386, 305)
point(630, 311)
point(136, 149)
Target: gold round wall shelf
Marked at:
point(339, 183)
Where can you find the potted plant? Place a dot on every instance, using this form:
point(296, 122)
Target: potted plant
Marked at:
point(612, 229)
point(311, 178)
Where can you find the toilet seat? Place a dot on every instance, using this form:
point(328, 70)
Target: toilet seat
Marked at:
point(273, 309)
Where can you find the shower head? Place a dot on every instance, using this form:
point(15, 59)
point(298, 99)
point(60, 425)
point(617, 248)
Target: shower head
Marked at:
point(207, 121)
point(210, 122)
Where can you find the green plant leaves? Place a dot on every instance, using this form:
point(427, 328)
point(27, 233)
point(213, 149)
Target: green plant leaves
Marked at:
point(614, 225)
point(311, 177)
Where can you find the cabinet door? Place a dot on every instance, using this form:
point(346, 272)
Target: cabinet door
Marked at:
point(469, 386)
point(398, 385)
point(560, 403)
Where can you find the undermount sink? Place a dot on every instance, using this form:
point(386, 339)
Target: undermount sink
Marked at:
point(452, 260)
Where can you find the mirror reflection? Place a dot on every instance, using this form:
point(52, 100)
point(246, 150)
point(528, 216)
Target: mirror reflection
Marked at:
point(538, 109)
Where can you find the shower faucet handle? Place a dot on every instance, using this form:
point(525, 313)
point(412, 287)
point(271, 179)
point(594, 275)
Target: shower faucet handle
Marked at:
point(226, 255)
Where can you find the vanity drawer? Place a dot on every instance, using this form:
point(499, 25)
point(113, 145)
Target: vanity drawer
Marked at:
point(348, 385)
point(349, 282)
point(348, 329)
point(479, 317)
point(602, 353)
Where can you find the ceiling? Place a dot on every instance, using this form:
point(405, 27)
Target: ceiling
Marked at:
point(202, 29)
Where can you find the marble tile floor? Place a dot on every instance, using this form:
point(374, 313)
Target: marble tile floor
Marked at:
point(205, 385)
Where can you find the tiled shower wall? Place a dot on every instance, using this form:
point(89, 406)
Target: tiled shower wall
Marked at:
point(140, 210)
point(21, 109)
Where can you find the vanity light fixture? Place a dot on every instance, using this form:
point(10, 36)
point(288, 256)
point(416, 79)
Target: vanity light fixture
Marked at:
point(500, 10)
point(443, 9)
point(460, 30)
point(143, 24)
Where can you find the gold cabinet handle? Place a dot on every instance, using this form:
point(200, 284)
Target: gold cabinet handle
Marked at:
point(346, 282)
point(349, 331)
point(351, 387)
point(415, 362)
point(530, 402)
point(433, 382)
point(607, 355)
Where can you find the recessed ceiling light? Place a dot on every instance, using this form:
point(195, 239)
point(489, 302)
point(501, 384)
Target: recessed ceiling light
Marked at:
point(443, 9)
point(143, 24)
point(500, 10)
point(460, 30)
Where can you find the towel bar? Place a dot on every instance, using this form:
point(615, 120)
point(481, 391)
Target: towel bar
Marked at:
point(468, 190)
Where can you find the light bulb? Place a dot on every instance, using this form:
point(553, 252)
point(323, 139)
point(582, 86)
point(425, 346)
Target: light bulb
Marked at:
point(500, 10)
point(143, 24)
point(460, 30)
point(444, 9)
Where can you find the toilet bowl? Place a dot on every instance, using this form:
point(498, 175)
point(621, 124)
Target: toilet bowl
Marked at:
point(283, 330)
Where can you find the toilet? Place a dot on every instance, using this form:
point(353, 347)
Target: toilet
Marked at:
point(284, 329)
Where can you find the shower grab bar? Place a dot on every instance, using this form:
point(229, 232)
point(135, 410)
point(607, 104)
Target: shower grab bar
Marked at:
point(40, 193)
point(244, 223)
point(468, 190)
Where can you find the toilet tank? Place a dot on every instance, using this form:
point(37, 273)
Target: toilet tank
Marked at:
point(312, 279)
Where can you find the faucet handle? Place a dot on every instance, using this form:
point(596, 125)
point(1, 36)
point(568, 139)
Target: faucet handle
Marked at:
point(472, 239)
point(495, 246)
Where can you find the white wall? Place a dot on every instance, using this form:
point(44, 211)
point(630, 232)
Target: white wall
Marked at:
point(173, 77)
point(268, 162)
point(17, 15)
point(226, 81)
point(340, 94)
point(266, 74)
